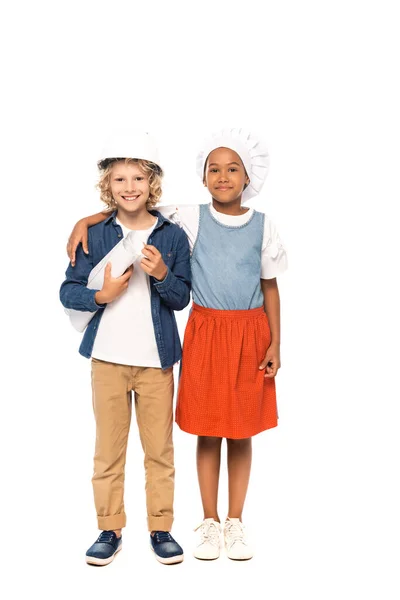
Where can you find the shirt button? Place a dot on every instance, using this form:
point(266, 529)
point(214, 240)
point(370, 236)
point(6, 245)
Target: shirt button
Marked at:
point(119, 235)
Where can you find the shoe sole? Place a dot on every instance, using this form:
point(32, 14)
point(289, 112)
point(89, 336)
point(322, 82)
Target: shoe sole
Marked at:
point(206, 559)
point(101, 562)
point(172, 560)
point(239, 559)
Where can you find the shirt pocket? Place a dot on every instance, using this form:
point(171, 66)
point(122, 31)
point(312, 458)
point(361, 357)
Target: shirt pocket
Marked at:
point(169, 258)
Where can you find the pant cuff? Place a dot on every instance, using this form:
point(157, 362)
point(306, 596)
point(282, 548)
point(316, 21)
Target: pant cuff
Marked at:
point(159, 523)
point(112, 522)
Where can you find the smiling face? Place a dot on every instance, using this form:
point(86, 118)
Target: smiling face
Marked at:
point(225, 175)
point(129, 187)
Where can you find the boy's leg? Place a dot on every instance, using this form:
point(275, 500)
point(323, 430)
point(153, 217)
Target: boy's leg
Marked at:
point(111, 385)
point(154, 390)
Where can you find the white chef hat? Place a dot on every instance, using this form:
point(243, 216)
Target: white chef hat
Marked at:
point(129, 144)
point(251, 150)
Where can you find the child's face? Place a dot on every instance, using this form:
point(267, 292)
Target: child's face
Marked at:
point(225, 175)
point(129, 187)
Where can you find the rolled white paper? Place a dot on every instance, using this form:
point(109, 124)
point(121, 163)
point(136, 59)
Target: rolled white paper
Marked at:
point(122, 256)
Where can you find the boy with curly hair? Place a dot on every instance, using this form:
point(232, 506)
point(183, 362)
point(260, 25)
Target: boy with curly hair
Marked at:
point(133, 341)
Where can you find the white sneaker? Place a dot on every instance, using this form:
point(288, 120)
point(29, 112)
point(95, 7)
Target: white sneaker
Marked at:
point(209, 547)
point(236, 544)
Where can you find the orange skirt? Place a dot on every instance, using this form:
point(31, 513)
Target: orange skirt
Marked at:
point(222, 392)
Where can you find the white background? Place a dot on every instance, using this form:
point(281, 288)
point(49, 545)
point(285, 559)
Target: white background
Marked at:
point(319, 81)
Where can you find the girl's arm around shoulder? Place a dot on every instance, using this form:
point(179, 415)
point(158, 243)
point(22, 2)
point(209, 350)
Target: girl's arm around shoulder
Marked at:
point(185, 216)
point(79, 234)
point(174, 289)
point(178, 213)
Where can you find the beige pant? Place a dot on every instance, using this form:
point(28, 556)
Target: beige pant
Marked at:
point(153, 389)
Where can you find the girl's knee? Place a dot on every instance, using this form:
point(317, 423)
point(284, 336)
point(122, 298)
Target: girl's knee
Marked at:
point(206, 441)
point(240, 443)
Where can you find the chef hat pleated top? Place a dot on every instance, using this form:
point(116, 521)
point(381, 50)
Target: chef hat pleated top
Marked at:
point(251, 150)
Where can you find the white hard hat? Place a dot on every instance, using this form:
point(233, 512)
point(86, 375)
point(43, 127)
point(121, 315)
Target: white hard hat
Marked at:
point(130, 144)
point(251, 150)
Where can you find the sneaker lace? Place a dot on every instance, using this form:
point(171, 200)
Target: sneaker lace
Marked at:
point(163, 536)
point(235, 533)
point(106, 537)
point(209, 533)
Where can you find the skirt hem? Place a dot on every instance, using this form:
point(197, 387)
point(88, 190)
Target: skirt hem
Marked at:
point(230, 437)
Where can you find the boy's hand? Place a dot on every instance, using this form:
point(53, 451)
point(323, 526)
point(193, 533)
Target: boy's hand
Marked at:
point(78, 234)
point(153, 263)
point(272, 361)
point(113, 287)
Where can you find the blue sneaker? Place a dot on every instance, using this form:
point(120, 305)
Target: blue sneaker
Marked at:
point(104, 549)
point(166, 549)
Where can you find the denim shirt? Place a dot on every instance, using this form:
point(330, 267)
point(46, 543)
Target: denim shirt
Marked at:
point(172, 293)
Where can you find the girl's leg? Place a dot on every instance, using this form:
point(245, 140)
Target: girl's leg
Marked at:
point(208, 465)
point(239, 465)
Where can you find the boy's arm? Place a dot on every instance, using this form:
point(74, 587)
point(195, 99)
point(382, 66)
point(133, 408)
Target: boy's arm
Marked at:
point(79, 234)
point(174, 289)
point(272, 361)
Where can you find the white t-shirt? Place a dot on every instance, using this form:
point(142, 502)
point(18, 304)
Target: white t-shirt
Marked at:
point(273, 253)
point(126, 333)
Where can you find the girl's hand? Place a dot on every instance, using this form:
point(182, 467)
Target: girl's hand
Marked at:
point(78, 234)
point(153, 263)
point(113, 287)
point(272, 361)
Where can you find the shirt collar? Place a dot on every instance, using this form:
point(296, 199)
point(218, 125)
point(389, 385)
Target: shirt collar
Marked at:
point(155, 213)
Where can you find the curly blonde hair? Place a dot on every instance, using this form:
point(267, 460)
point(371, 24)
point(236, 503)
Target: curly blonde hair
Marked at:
point(153, 171)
